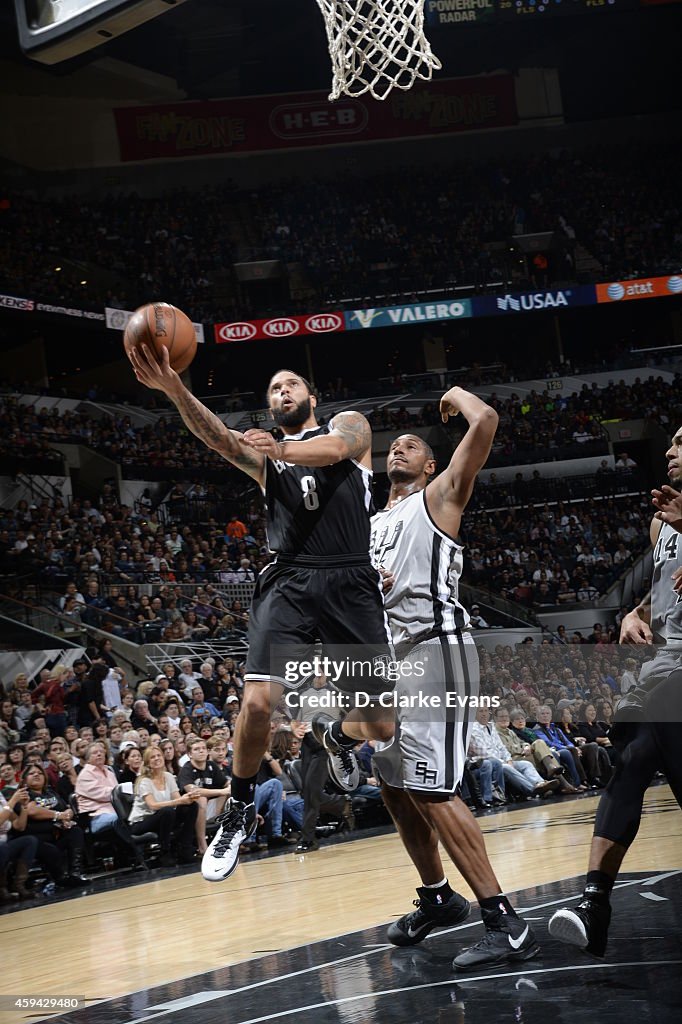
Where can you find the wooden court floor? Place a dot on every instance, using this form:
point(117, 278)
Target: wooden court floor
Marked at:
point(139, 936)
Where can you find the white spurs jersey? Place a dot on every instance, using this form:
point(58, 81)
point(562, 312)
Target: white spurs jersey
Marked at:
point(426, 564)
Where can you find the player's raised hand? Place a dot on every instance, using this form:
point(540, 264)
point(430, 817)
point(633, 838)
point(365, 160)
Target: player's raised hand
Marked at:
point(152, 373)
point(449, 404)
point(668, 503)
point(264, 443)
point(634, 630)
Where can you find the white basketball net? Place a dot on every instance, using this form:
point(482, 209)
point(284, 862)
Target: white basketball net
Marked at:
point(376, 45)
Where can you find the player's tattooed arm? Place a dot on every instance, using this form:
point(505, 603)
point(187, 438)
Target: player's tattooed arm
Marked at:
point(210, 429)
point(355, 433)
point(636, 625)
point(350, 437)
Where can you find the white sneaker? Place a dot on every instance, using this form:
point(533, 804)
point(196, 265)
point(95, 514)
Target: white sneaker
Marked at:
point(343, 764)
point(237, 823)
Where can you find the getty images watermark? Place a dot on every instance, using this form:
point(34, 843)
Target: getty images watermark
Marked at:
point(330, 683)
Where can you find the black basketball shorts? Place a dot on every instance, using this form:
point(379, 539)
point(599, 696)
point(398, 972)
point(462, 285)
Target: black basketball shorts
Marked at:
point(294, 608)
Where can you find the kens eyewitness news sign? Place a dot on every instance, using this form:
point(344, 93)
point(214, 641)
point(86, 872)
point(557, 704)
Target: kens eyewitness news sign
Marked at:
point(279, 327)
point(16, 302)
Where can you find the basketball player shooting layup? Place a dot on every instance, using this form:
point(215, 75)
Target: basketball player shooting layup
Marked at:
point(414, 542)
point(647, 724)
point(322, 584)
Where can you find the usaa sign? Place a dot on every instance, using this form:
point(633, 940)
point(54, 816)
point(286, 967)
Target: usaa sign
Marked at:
point(395, 316)
point(527, 302)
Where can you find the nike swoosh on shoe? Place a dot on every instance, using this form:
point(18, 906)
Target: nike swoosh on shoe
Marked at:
point(517, 943)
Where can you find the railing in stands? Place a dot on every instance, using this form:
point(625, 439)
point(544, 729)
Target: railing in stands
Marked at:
point(488, 599)
point(549, 490)
point(628, 588)
point(159, 654)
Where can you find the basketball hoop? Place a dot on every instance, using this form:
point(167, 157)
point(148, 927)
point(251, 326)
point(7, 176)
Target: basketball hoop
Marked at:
point(376, 45)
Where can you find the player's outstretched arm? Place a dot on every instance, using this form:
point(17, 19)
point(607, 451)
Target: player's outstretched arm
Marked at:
point(636, 626)
point(350, 437)
point(208, 427)
point(454, 485)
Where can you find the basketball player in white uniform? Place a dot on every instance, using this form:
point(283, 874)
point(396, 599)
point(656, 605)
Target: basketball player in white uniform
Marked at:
point(648, 724)
point(414, 544)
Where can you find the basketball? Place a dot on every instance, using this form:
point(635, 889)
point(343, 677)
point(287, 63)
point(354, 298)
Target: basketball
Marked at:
point(159, 325)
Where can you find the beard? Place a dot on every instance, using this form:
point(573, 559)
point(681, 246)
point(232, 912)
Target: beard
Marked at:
point(294, 417)
point(400, 475)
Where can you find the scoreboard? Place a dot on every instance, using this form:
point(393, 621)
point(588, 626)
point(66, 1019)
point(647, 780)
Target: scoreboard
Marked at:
point(479, 12)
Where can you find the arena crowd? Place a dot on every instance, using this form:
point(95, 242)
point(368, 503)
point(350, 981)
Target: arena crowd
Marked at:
point(409, 229)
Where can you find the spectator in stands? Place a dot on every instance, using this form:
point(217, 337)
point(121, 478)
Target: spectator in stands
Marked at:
point(17, 849)
point(159, 807)
point(536, 751)
point(60, 840)
point(170, 756)
point(520, 775)
point(624, 464)
point(129, 762)
point(595, 761)
point(630, 675)
point(208, 785)
point(53, 690)
point(477, 620)
point(9, 734)
point(142, 717)
point(93, 789)
point(562, 748)
point(201, 710)
point(594, 732)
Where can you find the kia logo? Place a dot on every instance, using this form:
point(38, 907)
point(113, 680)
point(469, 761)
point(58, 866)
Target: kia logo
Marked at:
point(280, 327)
point(323, 322)
point(237, 332)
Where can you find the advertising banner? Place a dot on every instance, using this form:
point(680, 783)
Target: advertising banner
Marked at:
point(279, 327)
point(14, 302)
point(251, 124)
point(83, 314)
point(475, 12)
point(644, 288)
point(117, 320)
point(529, 302)
point(393, 316)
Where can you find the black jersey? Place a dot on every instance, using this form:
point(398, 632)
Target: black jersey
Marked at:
point(318, 516)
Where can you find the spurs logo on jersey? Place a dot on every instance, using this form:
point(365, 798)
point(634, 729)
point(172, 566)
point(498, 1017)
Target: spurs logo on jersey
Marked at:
point(427, 565)
point(318, 513)
point(384, 541)
point(666, 606)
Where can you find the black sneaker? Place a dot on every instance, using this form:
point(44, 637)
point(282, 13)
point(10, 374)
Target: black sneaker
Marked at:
point(276, 841)
point(585, 926)
point(412, 928)
point(343, 764)
point(237, 823)
point(507, 939)
point(307, 846)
